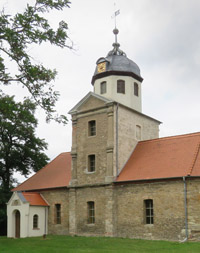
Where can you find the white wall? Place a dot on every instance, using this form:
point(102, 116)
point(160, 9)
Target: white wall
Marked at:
point(23, 208)
point(128, 99)
point(42, 220)
point(26, 218)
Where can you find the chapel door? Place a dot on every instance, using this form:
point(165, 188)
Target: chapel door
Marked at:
point(17, 224)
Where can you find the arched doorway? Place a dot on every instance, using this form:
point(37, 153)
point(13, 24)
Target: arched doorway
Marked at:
point(17, 224)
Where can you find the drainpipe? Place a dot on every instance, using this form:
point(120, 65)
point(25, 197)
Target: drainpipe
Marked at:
point(186, 213)
point(45, 222)
point(117, 167)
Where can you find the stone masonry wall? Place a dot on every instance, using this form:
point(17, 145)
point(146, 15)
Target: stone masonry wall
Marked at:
point(83, 195)
point(88, 145)
point(193, 202)
point(127, 121)
point(120, 210)
point(168, 207)
point(59, 196)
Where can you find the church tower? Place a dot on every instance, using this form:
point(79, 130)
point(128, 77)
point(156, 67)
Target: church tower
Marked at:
point(108, 123)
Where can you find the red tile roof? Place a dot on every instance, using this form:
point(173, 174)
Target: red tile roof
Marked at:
point(168, 157)
point(54, 175)
point(35, 199)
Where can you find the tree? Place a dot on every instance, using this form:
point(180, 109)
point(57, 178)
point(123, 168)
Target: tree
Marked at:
point(20, 31)
point(20, 149)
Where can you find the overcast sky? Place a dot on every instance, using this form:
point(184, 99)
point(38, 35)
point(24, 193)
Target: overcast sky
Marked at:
point(161, 36)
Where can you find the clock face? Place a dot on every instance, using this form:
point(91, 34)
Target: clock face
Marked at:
point(101, 67)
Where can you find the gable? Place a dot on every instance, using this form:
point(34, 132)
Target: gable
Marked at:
point(17, 199)
point(89, 102)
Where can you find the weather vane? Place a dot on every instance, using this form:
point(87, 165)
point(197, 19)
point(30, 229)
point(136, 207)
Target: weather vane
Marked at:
point(116, 13)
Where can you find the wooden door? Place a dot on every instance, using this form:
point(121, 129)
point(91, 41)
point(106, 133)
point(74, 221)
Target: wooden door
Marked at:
point(17, 224)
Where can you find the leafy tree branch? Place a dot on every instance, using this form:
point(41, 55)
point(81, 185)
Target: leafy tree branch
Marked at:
point(20, 31)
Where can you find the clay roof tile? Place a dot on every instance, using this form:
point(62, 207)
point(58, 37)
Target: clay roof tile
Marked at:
point(168, 157)
point(55, 174)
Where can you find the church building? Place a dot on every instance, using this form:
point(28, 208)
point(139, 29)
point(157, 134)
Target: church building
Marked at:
point(120, 179)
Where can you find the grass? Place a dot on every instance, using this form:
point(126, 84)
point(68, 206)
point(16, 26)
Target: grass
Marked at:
point(60, 244)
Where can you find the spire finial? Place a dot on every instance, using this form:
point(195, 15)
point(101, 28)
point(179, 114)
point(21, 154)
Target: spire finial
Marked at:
point(116, 45)
point(116, 13)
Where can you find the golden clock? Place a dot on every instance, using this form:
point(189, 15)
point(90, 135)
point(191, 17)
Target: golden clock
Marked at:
point(101, 67)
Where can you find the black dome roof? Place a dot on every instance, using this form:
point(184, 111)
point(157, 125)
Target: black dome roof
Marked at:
point(117, 63)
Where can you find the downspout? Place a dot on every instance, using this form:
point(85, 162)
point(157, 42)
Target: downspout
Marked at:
point(186, 212)
point(117, 166)
point(45, 222)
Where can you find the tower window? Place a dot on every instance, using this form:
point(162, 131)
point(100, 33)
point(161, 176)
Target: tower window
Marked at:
point(58, 213)
point(138, 133)
point(148, 211)
point(35, 221)
point(92, 128)
point(103, 87)
point(121, 86)
point(91, 163)
point(136, 89)
point(91, 212)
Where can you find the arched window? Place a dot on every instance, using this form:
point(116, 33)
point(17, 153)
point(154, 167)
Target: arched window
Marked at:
point(35, 221)
point(136, 89)
point(121, 86)
point(103, 87)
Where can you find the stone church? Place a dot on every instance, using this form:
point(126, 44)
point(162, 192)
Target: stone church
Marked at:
point(120, 179)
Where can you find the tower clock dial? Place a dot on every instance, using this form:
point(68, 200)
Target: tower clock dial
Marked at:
point(101, 67)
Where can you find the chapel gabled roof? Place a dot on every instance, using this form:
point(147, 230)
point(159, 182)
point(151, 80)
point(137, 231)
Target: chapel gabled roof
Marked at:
point(34, 199)
point(55, 174)
point(169, 157)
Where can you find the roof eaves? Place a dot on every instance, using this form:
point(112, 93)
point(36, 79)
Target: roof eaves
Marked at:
point(44, 189)
point(152, 179)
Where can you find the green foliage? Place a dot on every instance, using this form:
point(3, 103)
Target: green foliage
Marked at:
point(61, 244)
point(20, 31)
point(20, 149)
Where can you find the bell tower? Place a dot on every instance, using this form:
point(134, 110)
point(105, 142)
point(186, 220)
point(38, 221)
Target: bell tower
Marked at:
point(118, 78)
point(108, 123)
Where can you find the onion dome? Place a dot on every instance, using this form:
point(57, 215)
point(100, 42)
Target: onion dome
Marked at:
point(116, 63)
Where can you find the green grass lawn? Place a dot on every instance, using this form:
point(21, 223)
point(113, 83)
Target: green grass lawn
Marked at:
point(61, 244)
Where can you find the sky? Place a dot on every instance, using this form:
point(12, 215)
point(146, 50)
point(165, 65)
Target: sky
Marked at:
point(161, 36)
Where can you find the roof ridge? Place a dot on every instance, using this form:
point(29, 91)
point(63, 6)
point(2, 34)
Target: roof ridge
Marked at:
point(44, 199)
point(194, 158)
point(171, 137)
